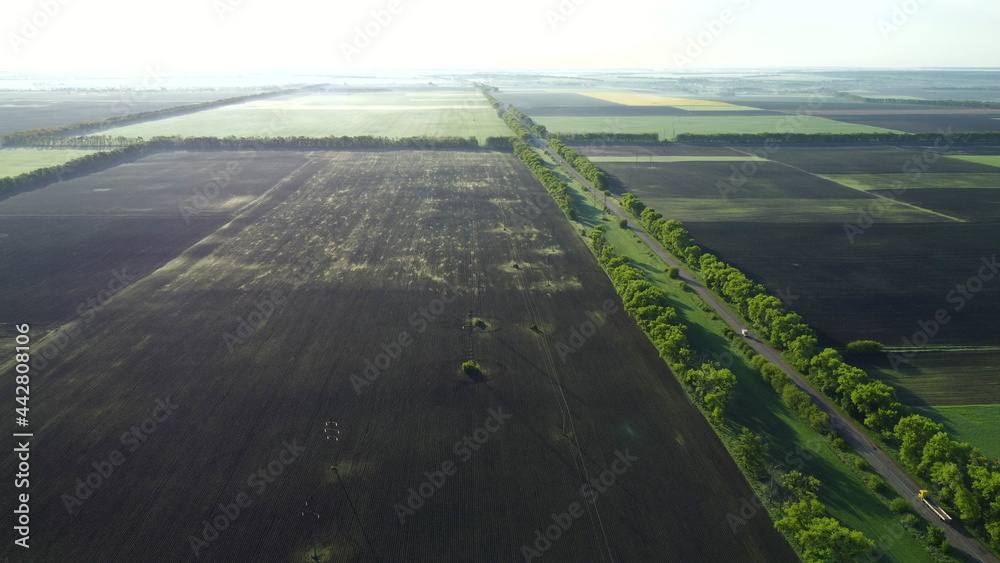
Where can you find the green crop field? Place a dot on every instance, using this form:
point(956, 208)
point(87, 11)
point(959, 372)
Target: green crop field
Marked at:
point(699, 188)
point(989, 160)
point(668, 126)
point(976, 424)
point(389, 114)
point(21, 160)
point(908, 181)
point(940, 377)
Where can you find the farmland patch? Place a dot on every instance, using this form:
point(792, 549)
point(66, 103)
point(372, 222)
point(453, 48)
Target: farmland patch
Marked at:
point(21, 160)
point(367, 214)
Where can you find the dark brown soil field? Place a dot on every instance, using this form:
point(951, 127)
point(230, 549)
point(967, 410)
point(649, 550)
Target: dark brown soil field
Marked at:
point(657, 180)
point(263, 332)
point(668, 149)
point(930, 123)
point(63, 245)
point(980, 205)
point(875, 160)
point(882, 287)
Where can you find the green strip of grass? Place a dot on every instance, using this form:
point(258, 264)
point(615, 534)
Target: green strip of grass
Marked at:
point(989, 160)
point(19, 161)
point(793, 445)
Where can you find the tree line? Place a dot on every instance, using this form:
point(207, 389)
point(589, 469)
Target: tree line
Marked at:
point(556, 187)
point(610, 138)
point(709, 385)
point(802, 518)
point(580, 163)
point(962, 475)
point(31, 136)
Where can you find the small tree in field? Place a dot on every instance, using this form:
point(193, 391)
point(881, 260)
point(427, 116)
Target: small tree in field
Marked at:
point(472, 369)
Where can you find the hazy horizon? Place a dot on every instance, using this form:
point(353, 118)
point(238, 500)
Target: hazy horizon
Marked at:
point(51, 36)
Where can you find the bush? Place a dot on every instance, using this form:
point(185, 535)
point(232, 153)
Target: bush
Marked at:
point(472, 369)
point(910, 519)
point(673, 272)
point(623, 223)
point(874, 482)
point(900, 506)
point(684, 286)
point(840, 444)
point(863, 465)
point(864, 348)
point(934, 535)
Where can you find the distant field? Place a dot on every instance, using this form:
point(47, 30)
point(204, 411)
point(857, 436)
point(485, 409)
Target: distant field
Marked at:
point(879, 159)
point(976, 424)
point(702, 179)
point(689, 187)
point(638, 99)
point(928, 180)
point(881, 287)
point(989, 160)
point(19, 161)
point(669, 126)
point(915, 122)
point(63, 243)
point(941, 378)
point(32, 109)
point(970, 204)
point(391, 114)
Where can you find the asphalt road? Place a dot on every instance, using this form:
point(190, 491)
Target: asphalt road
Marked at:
point(850, 431)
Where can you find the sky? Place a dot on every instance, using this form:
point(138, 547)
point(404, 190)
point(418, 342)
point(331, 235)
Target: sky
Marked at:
point(127, 36)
